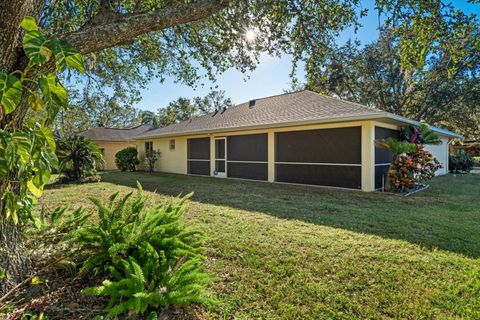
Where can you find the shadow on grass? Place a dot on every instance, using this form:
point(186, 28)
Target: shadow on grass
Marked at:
point(447, 216)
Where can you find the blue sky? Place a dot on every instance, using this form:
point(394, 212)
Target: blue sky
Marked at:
point(270, 77)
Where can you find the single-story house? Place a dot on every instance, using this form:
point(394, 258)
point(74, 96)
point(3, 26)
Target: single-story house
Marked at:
point(300, 138)
point(112, 140)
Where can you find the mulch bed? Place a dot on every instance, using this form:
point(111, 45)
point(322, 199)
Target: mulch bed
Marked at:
point(59, 297)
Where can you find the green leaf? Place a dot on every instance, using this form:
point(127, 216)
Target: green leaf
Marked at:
point(37, 192)
point(35, 102)
point(48, 134)
point(29, 24)
point(37, 281)
point(3, 168)
point(152, 316)
point(10, 92)
point(66, 55)
point(22, 141)
point(9, 155)
point(11, 205)
point(35, 45)
point(52, 90)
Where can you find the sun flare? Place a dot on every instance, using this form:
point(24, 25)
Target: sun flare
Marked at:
point(250, 35)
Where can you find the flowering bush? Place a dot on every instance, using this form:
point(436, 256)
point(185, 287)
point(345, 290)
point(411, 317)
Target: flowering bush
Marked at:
point(412, 168)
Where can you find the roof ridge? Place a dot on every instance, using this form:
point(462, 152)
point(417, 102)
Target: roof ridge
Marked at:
point(347, 101)
point(277, 95)
point(129, 128)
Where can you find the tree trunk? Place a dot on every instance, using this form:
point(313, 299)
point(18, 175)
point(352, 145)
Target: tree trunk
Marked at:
point(13, 258)
point(14, 261)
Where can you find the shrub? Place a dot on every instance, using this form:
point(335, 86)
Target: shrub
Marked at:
point(415, 167)
point(151, 158)
point(460, 163)
point(476, 161)
point(151, 260)
point(127, 159)
point(79, 157)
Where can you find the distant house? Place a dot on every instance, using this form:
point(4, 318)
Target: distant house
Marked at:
point(300, 138)
point(111, 140)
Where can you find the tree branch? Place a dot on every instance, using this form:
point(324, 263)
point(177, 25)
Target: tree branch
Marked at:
point(123, 28)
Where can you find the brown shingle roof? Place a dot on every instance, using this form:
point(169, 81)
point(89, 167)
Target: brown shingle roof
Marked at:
point(113, 134)
point(289, 108)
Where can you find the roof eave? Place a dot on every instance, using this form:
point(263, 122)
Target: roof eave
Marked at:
point(414, 122)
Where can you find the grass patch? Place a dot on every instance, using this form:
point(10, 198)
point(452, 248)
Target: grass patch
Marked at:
point(295, 252)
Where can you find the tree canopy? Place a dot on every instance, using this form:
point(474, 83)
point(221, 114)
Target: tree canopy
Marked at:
point(183, 109)
point(373, 75)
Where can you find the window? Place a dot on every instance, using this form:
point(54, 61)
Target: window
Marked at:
point(172, 144)
point(148, 147)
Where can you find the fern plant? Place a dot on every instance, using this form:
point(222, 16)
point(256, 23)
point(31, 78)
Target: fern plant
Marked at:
point(151, 259)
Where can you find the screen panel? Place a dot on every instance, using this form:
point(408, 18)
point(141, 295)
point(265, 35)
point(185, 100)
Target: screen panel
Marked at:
point(199, 167)
point(220, 165)
point(255, 171)
point(381, 173)
point(220, 148)
point(198, 148)
point(339, 145)
point(383, 155)
point(322, 175)
point(252, 147)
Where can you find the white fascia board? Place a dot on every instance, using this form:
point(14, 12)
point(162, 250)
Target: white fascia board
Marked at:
point(417, 123)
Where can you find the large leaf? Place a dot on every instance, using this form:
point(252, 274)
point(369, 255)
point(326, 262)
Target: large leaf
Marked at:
point(66, 55)
point(35, 102)
point(22, 141)
point(35, 45)
point(10, 155)
point(49, 138)
point(52, 90)
point(36, 191)
point(10, 92)
point(29, 24)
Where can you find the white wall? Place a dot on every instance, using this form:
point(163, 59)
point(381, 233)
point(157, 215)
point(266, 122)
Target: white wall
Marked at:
point(441, 153)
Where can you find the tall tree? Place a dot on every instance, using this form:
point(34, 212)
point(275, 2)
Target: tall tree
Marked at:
point(179, 110)
point(214, 100)
point(101, 110)
point(185, 109)
point(444, 92)
point(126, 42)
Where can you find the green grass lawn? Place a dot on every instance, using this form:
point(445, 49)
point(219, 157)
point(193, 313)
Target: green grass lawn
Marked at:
point(289, 252)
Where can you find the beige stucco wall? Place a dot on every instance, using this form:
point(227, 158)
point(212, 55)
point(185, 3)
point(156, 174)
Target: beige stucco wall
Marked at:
point(175, 161)
point(110, 148)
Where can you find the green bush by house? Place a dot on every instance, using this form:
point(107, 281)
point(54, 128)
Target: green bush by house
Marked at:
point(127, 159)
